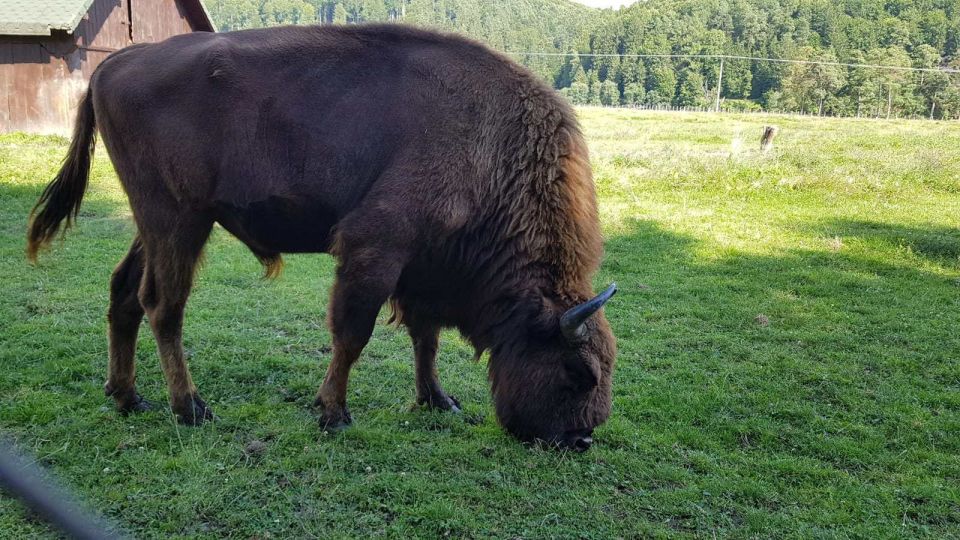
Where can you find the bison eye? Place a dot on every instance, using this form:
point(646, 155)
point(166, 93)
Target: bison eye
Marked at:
point(582, 375)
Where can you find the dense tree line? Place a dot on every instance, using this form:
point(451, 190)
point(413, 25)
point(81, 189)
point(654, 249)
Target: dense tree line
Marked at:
point(530, 25)
point(906, 33)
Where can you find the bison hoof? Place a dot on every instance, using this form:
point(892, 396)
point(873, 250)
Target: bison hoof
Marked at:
point(441, 402)
point(335, 419)
point(194, 413)
point(135, 405)
point(127, 401)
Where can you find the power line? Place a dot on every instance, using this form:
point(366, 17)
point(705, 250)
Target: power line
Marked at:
point(736, 57)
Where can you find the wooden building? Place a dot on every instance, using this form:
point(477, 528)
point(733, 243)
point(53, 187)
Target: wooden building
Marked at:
point(49, 49)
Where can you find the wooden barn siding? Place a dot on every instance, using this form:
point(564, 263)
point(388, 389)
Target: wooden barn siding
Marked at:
point(43, 78)
point(157, 20)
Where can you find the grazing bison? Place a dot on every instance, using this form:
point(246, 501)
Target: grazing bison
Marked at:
point(444, 178)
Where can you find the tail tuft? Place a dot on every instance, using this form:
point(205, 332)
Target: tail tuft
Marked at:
point(396, 312)
point(272, 265)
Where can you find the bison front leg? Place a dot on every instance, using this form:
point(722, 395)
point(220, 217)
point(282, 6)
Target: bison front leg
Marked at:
point(366, 277)
point(426, 340)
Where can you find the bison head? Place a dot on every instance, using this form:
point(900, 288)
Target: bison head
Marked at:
point(551, 383)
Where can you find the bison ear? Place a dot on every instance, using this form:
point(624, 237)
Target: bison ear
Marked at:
point(572, 323)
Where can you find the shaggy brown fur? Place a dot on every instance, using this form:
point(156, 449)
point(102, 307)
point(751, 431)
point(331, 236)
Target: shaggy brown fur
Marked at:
point(441, 175)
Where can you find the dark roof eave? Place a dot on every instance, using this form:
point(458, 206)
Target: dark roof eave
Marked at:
point(39, 28)
point(198, 16)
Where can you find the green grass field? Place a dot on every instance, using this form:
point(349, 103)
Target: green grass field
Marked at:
point(789, 367)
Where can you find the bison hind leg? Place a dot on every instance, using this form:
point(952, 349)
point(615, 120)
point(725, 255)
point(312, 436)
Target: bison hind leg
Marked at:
point(124, 317)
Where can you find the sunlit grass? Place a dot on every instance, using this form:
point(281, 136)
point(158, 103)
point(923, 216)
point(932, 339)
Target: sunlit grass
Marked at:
point(789, 362)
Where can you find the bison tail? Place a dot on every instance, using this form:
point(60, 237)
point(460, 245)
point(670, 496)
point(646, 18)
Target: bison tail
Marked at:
point(61, 199)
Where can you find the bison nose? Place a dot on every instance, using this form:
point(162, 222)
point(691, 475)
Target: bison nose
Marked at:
point(582, 444)
point(578, 440)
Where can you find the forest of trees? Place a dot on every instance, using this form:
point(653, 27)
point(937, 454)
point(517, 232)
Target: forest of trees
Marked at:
point(906, 33)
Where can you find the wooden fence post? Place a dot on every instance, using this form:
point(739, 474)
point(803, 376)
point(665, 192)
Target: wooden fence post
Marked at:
point(766, 141)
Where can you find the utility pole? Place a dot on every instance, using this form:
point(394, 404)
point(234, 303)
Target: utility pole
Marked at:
point(719, 84)
point(889, 99)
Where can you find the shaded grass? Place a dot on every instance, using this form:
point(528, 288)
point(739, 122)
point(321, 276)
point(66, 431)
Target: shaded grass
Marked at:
point(836, 414)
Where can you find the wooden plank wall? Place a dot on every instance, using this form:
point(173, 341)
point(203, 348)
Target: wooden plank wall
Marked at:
point(43, 78)
point(157, 20)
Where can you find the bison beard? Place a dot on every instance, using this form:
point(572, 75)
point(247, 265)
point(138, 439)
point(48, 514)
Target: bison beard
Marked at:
point(441, 175)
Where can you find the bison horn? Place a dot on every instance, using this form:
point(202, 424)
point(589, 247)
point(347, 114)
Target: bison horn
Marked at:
point(571, 323)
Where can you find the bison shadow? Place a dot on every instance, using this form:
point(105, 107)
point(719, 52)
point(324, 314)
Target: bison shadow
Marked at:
point(936, 243)
point(750, 351)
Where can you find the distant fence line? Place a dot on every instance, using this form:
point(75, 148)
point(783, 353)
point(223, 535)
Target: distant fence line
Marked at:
point(737, 57)
point(775, 112)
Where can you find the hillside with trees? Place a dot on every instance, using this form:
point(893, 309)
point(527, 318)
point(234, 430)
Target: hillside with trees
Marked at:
point(905, 33)
point(554, 26)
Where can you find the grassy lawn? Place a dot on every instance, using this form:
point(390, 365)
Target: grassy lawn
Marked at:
point(789, 360)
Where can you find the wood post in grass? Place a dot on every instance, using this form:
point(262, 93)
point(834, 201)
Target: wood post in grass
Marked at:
point(766, 142)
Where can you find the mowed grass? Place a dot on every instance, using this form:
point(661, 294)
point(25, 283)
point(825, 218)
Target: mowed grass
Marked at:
point(789, 360)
